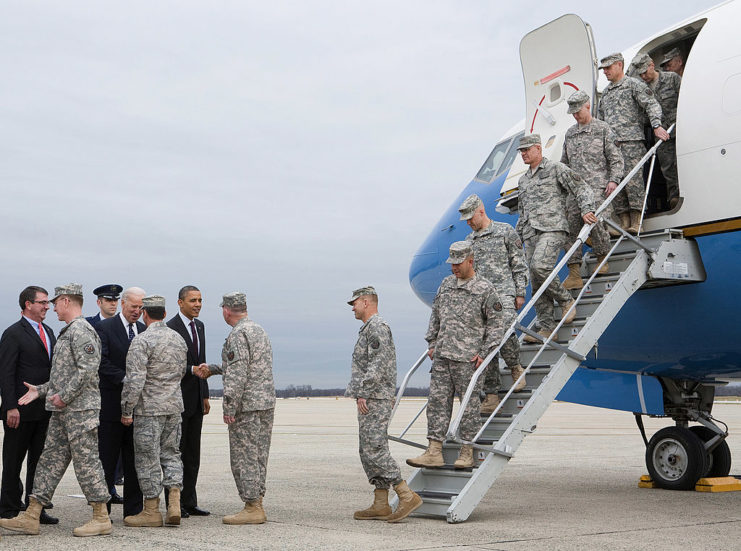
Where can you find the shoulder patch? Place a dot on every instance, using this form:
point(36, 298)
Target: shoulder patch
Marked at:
point(230, 355)
point(498, 306)
point(89, 348)
point(374, 343)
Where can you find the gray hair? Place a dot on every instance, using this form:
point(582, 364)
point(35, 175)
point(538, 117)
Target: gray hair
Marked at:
point(135, 291)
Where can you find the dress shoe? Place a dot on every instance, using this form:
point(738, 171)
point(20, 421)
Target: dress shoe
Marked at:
point(183, 513)
point(116, 499)
point(45, 518)
point(194, 511)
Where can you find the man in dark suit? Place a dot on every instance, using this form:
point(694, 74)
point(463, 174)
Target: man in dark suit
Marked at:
point(25, 355)
point(115, 439)
point(195, 395)
point(108, 296)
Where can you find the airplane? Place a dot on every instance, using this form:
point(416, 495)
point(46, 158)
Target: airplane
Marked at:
point(668, 347)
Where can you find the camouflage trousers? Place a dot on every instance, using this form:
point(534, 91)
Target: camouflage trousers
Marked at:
point(249, 446)
point(666, 154)
point(599, 235)
point(510, 351)
point(541, 253)
point(157, 453)
point(449, 378)
point(631, 197)
point(72, 436)
point(380, 468)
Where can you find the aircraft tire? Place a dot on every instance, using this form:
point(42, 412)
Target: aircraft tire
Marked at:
point(719, 460)
point(676, 458)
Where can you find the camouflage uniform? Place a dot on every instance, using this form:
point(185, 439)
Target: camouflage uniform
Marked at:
point(155, 364)
point(73, 430)
point(543, 227)
point(590, 151)
point(374, 378)
point(625, 106)
point(249, 396)
point(499, 258)
point(466, 321)
point(666, 90)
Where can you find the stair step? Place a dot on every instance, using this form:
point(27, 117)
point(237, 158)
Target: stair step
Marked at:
point(439, 496)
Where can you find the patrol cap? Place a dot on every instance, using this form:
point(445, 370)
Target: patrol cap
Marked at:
point(529, 141)
point(459, 251)
point(357, 293)
point(610, 59)
point(469, 206)
point(671, 54)
point(69, 289)
point(576, 101)
point(235, 299)
point(153, 301)
point(640, 63)
point(111, 291)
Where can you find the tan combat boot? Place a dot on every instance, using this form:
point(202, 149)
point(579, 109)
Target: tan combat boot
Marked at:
point(612, 231)
point(516, 372)
point(172, 517)
point(574, 280)
point(545, 333)
point(625, 220)
point(409, 502)
point(380, 510)
point(465, 458)
point(99, 525)
point(635, 222)
point(490, 404)
point(565, 308)
point(150, 517)
point(605, 269)
point(253, 513)
point(27, 522)
point(433, 456)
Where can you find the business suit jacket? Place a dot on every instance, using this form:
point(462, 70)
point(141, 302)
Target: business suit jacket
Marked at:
point(94, 320)
point(195, 389)
point(24, 358)
point(114, 340)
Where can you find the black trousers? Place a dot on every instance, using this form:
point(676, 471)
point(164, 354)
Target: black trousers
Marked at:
point(116, 440)
point(190, 452)
point(24, 442)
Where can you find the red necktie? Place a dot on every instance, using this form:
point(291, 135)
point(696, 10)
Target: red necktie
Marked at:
point(43, 338)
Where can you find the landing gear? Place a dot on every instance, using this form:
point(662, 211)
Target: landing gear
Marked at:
point(676, 458)
point(718, 457)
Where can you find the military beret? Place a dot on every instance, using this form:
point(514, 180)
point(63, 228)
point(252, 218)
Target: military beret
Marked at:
point(576, 101)
point(469, 206)
point(153, 301)
point(668, 56)
point(640, 63)
point(111, 291)
point(235, 299)
point(69, 289)
point(610, 59)
point(529, 141)
point(459, 251)
point(357, 293)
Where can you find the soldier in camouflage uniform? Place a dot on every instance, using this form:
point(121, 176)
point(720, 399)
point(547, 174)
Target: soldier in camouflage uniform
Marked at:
point(373, 386)
point(498, 257)
point(465, 326)
point(151, 399)
point(589, 149)
point(249, 405)
point(543, 226)
point(665, 86)
point(626, 102)
point(73, 397)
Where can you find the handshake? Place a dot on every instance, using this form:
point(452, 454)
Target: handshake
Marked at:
point(202, 371)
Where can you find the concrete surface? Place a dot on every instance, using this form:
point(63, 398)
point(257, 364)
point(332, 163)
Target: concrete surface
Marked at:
point(572, 485)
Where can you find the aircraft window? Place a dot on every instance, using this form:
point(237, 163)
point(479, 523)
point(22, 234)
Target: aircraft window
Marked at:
point(555, 92)
point(499, 160)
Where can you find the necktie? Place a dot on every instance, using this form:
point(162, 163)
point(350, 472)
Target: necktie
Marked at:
point(131, 332)
point(195, 338)
point(43, 338)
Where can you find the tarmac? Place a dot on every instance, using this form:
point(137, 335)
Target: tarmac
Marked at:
point(572, 485)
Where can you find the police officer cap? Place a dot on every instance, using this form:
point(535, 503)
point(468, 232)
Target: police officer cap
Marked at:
point(671, 54)
point(459, 251)
point(610, 59)
point(640, 63)
point(153, 301)
point(529, 141)
point(357, 293)
point(69, 289)
point(234, 299)
point(111, 291)
point(576, 101)
point(469, 207)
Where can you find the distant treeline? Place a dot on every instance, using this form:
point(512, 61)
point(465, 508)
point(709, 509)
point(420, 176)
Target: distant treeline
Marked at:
point(307, 391)
point(731, 389)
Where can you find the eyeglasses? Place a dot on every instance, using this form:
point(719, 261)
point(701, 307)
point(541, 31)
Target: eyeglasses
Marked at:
point(44, 302)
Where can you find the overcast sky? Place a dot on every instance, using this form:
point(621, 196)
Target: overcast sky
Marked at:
point(291, 150)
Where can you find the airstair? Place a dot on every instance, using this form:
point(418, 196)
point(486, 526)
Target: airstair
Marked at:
point(651, 260)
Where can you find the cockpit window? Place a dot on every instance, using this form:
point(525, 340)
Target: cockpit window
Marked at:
point(500, 159)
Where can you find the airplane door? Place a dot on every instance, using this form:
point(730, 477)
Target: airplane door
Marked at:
point(557, 59)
